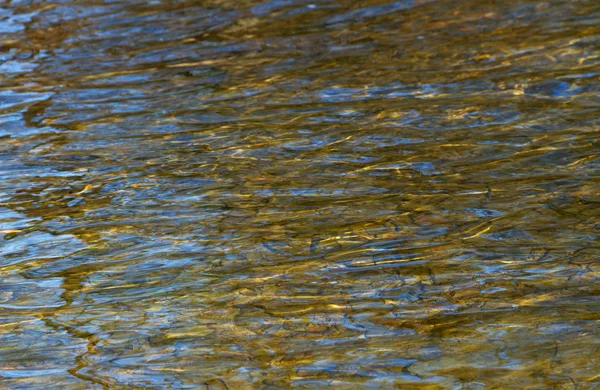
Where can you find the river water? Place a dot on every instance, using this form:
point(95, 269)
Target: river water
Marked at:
point(299, 194)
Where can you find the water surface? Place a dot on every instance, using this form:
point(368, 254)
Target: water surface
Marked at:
point(299, 194)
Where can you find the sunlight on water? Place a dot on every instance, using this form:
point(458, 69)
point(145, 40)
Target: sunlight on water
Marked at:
point(299, 194)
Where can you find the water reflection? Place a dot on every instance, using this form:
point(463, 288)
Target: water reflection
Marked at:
point(299, 194)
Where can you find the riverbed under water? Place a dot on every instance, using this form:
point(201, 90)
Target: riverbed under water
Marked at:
point(299, 194)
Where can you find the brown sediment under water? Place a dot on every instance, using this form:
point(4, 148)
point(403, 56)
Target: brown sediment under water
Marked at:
point(299, 194)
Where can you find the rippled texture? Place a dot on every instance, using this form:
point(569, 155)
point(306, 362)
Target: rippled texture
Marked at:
point(245, 194)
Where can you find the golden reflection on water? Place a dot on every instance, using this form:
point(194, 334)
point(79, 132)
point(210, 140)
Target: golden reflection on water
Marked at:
point(299, 194)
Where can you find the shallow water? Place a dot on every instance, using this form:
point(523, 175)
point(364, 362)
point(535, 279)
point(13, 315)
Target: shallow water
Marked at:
point(245, 194)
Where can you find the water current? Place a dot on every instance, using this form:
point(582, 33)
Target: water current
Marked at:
point(248, 194)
